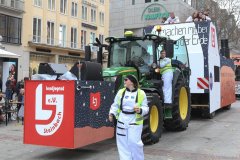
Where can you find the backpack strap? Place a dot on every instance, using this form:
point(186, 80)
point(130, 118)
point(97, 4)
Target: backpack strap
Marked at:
point(122, 99)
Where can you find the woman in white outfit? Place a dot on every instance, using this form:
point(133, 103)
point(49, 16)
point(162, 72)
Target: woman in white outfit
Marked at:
point(129, 107)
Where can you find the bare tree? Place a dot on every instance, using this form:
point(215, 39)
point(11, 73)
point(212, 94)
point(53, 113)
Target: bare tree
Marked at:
point(227, 18)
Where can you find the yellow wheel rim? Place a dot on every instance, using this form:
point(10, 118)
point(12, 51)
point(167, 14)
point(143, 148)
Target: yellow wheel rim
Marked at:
point(154, 117)
point(183, 103)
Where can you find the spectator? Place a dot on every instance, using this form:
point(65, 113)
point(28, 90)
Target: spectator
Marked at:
point(2, 104)
point(206, 13)
point(21, 110)
point(172, 19)
point(19, 86)
point(203, 18)
point(9, 90)
point(0, 83)
point(163, 20)
point(193, 17)
point(200, 16)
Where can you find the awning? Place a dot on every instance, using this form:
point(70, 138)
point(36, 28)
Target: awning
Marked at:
point(7, 54)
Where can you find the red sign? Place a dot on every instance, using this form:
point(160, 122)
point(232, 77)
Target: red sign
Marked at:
point(49, 113)
point(213, 33)
point(95, 100)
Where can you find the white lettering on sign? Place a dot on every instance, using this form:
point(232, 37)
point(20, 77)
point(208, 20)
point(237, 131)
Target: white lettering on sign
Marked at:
point(49, 115)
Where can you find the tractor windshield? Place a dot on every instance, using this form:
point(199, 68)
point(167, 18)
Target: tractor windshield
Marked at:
point(180, 51)
point(139, 52)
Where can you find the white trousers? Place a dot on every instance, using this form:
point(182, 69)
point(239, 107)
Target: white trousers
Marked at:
point(167, 86)
point(129, 143)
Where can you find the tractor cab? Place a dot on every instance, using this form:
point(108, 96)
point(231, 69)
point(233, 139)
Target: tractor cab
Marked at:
point(140, 56)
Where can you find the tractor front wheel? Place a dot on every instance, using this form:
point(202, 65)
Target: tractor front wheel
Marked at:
point(153, 121)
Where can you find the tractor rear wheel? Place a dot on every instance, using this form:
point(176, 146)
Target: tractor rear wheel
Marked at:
point(153, 121)
point(181, 107)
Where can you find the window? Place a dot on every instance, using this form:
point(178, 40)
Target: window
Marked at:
point(73, 37)
point(51, 4)
point(147, 1)
point(3, 29)
point(2, 1)
point(10, 29)
point(83, 38)
point(84, 12)
point(13, 3)
point(50, 33)
point(74, 9)
point(101, 16)
point(102, 1)
point(92, 37)
point(101, 38)
point(62, 35)
point(37, 25)
point(133, 2)
point(38, 3)
point(63, 6)
point(93, 15)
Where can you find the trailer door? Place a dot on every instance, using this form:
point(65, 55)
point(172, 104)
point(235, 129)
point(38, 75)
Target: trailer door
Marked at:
point(214, 70)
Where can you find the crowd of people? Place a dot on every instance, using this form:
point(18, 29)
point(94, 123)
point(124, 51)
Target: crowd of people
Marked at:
point(14, 91)
point(195, 17)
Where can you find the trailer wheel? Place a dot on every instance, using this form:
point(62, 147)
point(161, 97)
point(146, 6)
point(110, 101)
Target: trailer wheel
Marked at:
point(181, 108)
point(228, 107)
point(153, 122)
point(206, 114)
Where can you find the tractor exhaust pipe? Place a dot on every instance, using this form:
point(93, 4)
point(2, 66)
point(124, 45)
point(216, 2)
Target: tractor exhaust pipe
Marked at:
point(88, 53)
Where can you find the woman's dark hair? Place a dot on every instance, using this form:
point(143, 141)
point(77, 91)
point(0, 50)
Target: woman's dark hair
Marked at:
point(133, 79)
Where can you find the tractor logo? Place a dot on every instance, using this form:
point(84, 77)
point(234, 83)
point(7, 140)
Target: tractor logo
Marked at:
point(95, 100)
point(213, 37)
point(48, 114)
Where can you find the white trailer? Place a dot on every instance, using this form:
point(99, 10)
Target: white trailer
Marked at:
point(212, 79)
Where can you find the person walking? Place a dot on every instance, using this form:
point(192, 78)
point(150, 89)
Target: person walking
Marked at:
point(129, 107)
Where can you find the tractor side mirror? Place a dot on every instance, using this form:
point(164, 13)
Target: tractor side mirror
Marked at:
point(169, 47)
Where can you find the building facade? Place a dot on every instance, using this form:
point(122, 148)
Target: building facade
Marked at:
point(136, 14)
point(56, 31)
point(11, 15)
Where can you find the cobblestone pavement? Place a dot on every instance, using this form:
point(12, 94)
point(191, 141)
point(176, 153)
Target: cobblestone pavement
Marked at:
point(205, 139)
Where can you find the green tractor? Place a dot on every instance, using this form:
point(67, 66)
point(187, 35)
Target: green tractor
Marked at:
point(140, 56)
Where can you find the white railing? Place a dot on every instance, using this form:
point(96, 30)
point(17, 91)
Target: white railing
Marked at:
point(14, 4)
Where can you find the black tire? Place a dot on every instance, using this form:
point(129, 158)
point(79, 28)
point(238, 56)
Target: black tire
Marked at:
point(181, 99)
point(228, 107)
point(206, 114)
point(153, 121)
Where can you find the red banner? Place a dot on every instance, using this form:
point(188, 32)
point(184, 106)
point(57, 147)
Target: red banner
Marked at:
point(49, 113)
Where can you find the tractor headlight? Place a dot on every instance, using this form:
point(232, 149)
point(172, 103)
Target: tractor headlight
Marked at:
point(111, 79)
point(154, 65)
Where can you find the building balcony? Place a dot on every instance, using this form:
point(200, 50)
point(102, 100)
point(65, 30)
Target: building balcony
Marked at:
point(15, 5)
point(51, 43)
